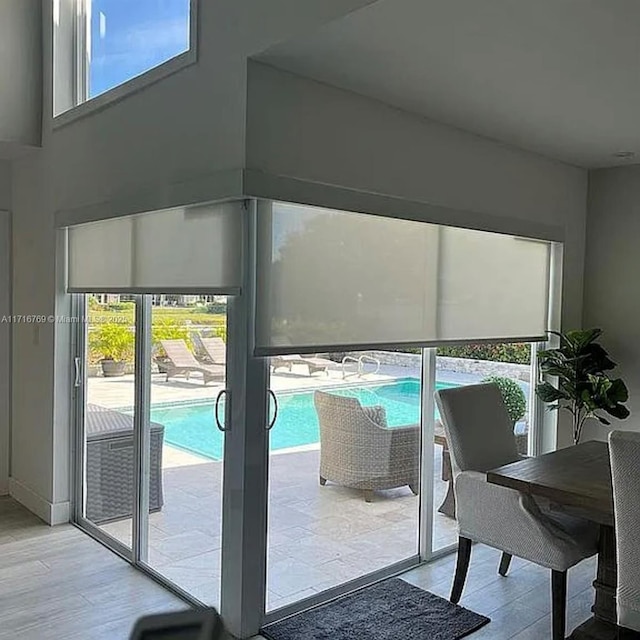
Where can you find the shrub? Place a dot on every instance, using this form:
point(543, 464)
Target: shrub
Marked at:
point(220, 332)
point(121, 306)
point(513, 396)
point(167, 330)
point(518, 353)
point(216, 307)
point(112, 341)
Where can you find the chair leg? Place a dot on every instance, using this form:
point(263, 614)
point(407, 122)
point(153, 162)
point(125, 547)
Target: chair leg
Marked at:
point(462, 566)
point(368, 495)
point(505, 561)
point(323, 481)
point(558, 603)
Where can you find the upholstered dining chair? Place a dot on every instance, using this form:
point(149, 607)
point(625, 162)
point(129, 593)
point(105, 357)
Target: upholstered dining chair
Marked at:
point(480, 436)
point(624, 452)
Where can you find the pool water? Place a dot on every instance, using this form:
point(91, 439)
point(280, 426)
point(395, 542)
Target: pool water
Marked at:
point(192, 427)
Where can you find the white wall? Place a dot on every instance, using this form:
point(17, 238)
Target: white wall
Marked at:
point(190, 124)
point(20, 72)
point(308, 130)
point(304, 129)
point(5, 351)
point(5, 185)
point(183, 128)
point(612, 265)
point(33, 368)
point(5, 328)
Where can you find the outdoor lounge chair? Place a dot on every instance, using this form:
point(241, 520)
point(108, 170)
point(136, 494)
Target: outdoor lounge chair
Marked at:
point(215, 349)
point(314, 363)
point(358, 450)
point(181, 362)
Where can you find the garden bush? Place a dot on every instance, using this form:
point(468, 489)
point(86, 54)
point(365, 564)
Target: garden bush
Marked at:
point(216, 307)
point(515, 353)
point(512, 394)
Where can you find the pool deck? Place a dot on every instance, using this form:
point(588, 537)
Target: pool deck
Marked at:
point(319, 536)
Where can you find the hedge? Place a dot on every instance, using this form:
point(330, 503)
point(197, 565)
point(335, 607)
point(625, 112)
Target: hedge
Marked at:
point(518, 353)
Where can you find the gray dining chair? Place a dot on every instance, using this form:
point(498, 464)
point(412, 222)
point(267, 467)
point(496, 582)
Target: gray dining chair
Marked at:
point(624, 452)
point(480, 436)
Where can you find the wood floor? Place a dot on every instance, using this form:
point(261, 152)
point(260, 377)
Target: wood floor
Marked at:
point(57, 583)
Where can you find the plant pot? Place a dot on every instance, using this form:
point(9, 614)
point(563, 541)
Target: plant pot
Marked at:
point(112, 368)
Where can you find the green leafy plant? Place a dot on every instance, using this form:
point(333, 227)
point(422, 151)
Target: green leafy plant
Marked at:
point(113, 341)
point(583, 387)
point(513, 396)
point(511, 352)
point(167, 330)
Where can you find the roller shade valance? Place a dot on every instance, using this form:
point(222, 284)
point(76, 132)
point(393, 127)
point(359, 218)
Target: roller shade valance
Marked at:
point(328, 279)
point(196, 248)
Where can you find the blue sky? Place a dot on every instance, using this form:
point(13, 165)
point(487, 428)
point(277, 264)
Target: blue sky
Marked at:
point(129, 37)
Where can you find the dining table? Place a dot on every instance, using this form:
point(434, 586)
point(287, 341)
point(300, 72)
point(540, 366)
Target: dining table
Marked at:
point(577, 480)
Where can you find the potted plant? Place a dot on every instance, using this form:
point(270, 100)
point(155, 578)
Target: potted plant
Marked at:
point(583, 386)
point(116, 344)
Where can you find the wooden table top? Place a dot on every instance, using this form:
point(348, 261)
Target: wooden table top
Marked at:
point(577, 477)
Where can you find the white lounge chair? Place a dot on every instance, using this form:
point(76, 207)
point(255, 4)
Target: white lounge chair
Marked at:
point(215, 349)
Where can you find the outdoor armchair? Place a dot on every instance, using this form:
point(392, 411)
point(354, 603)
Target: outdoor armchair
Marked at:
point(359, 450)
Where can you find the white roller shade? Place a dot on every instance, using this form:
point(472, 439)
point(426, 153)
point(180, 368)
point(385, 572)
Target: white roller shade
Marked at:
point(187, 249)
point(331, 279)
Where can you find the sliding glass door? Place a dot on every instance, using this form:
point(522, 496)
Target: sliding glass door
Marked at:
point(185, 445)
point(257, 426)
point(344, 470)
point(152, 432)
point(106, 373)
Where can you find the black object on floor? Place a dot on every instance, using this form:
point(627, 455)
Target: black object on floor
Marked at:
point(389, 610)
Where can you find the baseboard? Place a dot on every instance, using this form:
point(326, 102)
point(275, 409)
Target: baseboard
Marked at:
point(51, 513)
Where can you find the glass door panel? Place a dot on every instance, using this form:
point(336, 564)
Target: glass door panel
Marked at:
point(186, 449)
point(509, 366)
point(344, 470)
point(108, 473)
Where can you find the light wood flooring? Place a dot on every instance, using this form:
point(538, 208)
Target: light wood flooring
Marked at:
point(57, 583)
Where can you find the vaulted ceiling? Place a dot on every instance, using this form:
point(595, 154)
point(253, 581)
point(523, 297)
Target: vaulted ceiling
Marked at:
point(558, 77)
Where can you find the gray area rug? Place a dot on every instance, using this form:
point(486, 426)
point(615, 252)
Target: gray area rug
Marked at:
point(389, 610)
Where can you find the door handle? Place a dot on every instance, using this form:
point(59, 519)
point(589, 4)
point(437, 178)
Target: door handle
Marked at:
point(77, 380)
point(219, 424)
point(275, 410)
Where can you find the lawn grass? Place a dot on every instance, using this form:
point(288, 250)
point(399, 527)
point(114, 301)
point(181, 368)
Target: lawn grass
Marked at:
point(166, 315)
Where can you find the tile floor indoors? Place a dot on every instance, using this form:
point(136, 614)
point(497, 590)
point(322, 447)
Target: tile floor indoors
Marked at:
point(59, 583)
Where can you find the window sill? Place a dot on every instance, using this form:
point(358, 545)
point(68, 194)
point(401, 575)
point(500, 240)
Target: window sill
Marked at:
point(126, 89)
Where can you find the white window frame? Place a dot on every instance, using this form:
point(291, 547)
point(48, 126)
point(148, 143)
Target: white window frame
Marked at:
point(71, 20)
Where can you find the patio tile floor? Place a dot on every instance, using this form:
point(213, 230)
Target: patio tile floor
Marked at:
point(319, 536)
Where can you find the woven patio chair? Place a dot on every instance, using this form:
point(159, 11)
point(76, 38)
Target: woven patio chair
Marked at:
point(359, 450)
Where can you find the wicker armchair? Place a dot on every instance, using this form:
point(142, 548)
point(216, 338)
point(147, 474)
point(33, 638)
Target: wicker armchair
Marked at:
point(358, 450)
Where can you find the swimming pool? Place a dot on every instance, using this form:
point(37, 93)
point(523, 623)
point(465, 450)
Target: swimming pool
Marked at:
point(191, 426)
